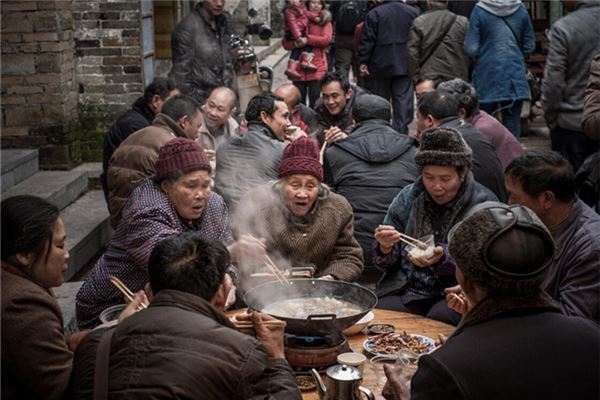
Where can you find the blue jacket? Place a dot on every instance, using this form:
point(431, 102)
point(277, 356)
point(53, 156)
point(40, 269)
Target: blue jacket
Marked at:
point(500, 73)
point(384, 38)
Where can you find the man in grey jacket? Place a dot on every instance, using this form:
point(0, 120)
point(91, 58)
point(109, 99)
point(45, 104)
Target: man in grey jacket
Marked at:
point(252, 159)
point(574, 42)
point(435, 44)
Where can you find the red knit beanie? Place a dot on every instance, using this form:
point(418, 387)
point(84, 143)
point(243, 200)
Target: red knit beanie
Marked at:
point(180, 156)
point(301, 157)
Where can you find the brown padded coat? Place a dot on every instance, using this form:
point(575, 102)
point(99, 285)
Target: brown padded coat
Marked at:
point(135, 159)
point(182, 347)
point(36, 362)
point(323, 239)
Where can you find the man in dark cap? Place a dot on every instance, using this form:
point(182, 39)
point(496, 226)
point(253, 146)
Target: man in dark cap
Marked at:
point(370, 166)
point(513, 344)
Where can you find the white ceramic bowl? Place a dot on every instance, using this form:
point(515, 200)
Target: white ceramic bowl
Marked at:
point(111, 313)
point(360, 325)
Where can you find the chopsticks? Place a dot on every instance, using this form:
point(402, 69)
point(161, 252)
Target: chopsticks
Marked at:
point(412, 241)
point(272, 267)
point(250, 325)
point(322, 152)
point(129, 295)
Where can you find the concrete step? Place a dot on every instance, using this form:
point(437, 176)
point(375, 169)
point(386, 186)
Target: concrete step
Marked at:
point(65, 296)
point(92, 169)
point(59, 187)
point(17, 165)
point(88, 229)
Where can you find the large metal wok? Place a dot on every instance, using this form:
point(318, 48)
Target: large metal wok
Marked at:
point(268, 293)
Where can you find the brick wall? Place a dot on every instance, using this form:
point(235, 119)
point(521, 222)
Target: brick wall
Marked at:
point(39, 95)
point(108, 65)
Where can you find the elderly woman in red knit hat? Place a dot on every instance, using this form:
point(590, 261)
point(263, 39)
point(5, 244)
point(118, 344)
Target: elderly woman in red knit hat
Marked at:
point(300, 220)
point(177, 199)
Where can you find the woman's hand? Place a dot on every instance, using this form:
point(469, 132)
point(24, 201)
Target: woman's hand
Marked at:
point(271, 337)
point(457, 300)
point(422, 262)
point(139, 302)
point(363, 70)
point(387, 236)
point(327, 278)
point(248, 250)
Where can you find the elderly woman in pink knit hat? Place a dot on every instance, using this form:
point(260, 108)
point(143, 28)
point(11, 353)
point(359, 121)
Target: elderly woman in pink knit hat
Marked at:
point(299, 220)
point(177, 199)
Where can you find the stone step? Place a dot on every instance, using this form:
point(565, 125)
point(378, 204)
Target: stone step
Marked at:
point(92, 169)
point(65, 296)
point(17, 165)
point(59, 187)
point(88, 229)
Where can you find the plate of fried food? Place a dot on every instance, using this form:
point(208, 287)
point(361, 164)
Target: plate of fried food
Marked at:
point(390, 345)
point(306, 382)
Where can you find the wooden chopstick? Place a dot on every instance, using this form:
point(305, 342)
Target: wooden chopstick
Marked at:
point(271, 265)
point(124, 289)
point(412, 239)
point(249, 324)
point(322, 152)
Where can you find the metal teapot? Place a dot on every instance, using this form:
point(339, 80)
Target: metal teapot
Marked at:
point(343, 383)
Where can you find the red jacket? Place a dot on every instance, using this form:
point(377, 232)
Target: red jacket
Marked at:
point(297, 20)
point(319, 37)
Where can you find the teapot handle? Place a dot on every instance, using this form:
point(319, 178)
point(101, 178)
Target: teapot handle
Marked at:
point(367, 392)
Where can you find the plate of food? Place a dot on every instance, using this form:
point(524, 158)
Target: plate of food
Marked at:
point(306, 382)
point(389, 345)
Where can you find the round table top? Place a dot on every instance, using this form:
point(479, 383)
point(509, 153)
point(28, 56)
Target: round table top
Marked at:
point(373, 376)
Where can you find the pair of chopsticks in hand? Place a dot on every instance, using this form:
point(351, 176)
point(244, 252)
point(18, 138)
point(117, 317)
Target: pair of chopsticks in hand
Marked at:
point(412, 241)
point(129, 295)
point(272, 267)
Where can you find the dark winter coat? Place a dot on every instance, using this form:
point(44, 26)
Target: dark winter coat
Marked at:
point(573, 280)
point(591, 106)
point(384, 39)
point(486, 168)
point(247, 161)
point(369, 168)
point(517, 348)
point(138, 117)
point(183, 347)
point(201, 57)
point(574, 41)
point(36, 362)
point(428, 54)
point(500, 73)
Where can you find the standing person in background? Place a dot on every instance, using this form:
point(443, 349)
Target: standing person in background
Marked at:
point(201, 57)
point(318, 37)
point(346, 16)
point(140, 115)
point(574, 41)
point(436, 44)
point(500, 38)
point(382, 54)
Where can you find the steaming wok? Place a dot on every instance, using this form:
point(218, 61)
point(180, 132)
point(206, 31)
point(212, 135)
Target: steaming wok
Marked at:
point(268, 293)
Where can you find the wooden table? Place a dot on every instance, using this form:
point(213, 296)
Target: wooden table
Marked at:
point(373, 376)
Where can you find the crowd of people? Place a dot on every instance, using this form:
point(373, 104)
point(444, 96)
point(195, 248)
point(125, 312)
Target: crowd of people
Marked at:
point(326, 174)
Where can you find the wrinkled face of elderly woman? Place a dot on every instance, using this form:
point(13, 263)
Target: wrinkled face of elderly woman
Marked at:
point(442, 182)
point(189, 193)
point(300, 193)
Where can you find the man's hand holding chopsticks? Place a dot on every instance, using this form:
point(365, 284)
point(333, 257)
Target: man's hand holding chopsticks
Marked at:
point(268, 330)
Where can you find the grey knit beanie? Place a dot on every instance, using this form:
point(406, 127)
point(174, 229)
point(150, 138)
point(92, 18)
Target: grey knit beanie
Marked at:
point(370, 106)
point(443, 147)
point(503, 248)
